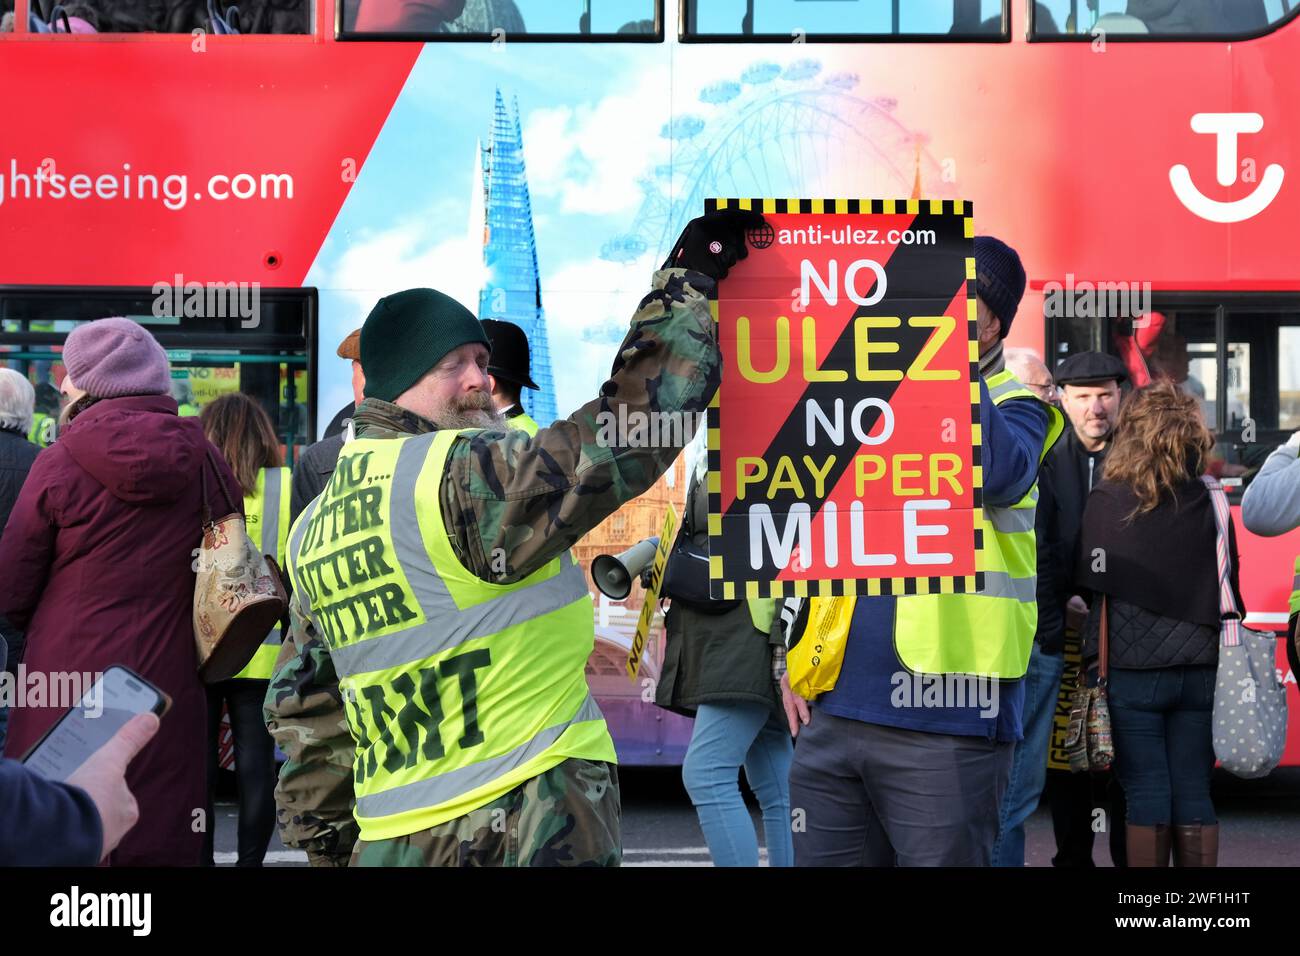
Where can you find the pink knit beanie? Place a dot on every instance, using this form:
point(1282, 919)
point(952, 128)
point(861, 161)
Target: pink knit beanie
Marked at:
point(110, 358)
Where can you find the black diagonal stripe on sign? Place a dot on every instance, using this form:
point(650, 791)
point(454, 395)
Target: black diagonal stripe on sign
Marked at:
point(922, 280)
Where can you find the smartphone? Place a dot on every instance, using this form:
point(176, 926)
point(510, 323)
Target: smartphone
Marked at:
point(117, 696)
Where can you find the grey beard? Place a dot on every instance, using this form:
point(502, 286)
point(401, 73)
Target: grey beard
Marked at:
point(453, 418)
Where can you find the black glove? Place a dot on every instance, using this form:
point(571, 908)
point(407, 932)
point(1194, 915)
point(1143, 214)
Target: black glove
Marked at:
point(715, 242)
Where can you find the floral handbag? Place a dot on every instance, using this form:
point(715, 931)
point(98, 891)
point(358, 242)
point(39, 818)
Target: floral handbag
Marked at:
point(238, 594)
point(1088, 739)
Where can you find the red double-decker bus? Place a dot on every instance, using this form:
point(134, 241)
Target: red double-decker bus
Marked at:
point(329, 153)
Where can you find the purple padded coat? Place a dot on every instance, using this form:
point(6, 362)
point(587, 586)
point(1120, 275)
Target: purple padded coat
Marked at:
point(96, 567)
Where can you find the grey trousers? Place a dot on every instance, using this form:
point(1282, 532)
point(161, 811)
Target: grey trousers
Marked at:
point(868, 795)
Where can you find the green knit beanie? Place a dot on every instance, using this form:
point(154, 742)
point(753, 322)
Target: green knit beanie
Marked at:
point(408, 333)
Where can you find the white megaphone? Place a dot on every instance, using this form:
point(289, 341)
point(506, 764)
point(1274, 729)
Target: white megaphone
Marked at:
point(613, 573)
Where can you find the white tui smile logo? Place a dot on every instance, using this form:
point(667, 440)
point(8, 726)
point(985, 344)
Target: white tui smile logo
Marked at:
point(1226, 127)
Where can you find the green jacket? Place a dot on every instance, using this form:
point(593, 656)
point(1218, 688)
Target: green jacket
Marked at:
point(712, 658)
point(511, 503)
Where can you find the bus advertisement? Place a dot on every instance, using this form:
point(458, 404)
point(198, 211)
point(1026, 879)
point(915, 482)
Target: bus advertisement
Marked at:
point(252, 208)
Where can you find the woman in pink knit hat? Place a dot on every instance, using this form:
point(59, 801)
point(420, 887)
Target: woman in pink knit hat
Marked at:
point(97, 563)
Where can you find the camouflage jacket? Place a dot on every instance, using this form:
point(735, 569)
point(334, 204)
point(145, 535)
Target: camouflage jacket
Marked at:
point(511, 503)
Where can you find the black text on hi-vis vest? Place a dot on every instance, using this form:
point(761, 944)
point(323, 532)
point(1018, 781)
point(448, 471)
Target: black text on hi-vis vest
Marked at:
point(353, 593)
point(454, 688)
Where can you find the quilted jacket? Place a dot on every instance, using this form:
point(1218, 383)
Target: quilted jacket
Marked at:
point(1142, 639)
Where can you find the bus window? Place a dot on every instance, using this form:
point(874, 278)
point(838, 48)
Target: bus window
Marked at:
point(1159, 19)
point(1288, 353)
point(1184, 353)
point(270, 360)
point(1262, 379)
point(1240, 359)
point(175, 16)
point(493, 20)
point(847, 20)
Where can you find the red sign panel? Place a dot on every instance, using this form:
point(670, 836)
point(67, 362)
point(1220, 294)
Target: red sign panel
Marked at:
point(844, 441)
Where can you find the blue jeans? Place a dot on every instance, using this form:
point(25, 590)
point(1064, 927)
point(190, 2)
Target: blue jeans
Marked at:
point(1164, 749)
point(727, 735)
point(1029, 766)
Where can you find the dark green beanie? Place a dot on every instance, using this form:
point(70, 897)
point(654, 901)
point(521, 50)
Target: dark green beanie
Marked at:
point(408, 333)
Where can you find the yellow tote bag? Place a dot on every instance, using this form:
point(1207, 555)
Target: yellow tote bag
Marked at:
point(815, 650)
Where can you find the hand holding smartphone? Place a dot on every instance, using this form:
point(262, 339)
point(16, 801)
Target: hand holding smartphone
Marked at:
point(118, 695)
point(91, 746)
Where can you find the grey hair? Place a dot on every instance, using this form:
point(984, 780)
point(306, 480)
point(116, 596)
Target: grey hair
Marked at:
point(17, 401)
point(1026, 357)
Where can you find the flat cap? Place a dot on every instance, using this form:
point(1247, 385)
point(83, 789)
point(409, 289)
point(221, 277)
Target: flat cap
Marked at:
point(1083, 367)
point(350, 347)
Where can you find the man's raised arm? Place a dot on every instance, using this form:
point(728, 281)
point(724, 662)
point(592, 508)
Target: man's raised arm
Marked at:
point(513, 503)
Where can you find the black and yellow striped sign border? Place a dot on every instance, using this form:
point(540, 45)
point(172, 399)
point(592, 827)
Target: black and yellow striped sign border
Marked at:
point(871, 587)
point(874, 207)
point(863, 587)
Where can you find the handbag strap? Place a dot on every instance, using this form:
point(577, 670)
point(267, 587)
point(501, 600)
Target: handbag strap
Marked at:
point(210, 465)
point(204, 511)
point(1230, 623)
point(1103, 657)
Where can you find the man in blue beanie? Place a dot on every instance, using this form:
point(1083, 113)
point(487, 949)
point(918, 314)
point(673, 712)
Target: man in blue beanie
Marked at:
point(895, 767)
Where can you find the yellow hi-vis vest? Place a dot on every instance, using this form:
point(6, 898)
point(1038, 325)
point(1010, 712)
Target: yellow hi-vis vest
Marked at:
point(44, 429)
point(266, 514)
point(455, 690)
point(990, 633)
point(524, 422)
point(762, 612)
point(1294, 603)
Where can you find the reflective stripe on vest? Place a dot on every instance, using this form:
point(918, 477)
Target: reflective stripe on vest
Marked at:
point(267, 511)
point(990, 633)
point(414, 796)
point(523, 422)
point(455, 690)
point(1002, 384)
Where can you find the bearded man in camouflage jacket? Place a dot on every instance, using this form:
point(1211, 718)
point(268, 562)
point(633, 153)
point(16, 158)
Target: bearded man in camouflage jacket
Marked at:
point(431, 694)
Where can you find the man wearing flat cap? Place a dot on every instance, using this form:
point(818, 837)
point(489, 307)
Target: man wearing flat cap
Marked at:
point(509, 371)
point(1090, 394)
point(432, 695)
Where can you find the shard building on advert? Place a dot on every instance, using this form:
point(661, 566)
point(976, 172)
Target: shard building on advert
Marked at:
point(512, 290)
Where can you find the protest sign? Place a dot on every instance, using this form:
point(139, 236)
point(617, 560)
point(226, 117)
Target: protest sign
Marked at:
point(637, 650)
point(844, 443)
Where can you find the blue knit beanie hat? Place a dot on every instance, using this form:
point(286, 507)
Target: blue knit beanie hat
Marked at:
point(999, 278)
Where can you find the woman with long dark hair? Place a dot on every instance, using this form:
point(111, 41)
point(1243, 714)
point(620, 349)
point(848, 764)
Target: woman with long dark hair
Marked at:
point(1148, 554)
point(243, 432)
